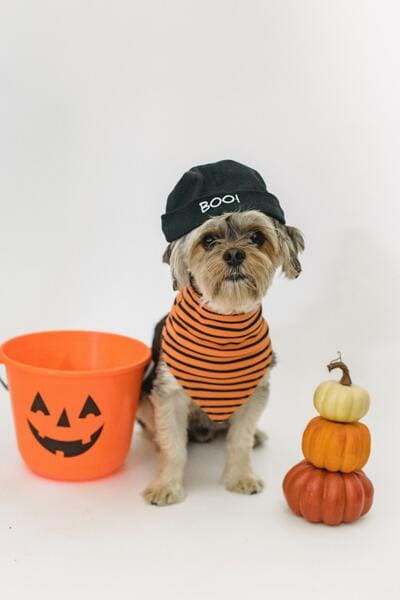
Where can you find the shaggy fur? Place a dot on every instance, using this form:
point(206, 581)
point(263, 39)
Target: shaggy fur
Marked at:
point(167, 413)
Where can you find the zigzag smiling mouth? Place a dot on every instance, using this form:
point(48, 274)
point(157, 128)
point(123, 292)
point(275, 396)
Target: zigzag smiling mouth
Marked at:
point(72, 448)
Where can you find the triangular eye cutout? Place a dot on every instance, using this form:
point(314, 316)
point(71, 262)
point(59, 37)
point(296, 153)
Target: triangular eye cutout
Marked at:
point(38, 405)
point(90, 408)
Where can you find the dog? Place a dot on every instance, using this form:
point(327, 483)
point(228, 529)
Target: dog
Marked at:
point(222, 269)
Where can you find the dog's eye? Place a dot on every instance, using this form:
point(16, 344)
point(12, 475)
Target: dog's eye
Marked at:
point(208, 241)
point(257, 237)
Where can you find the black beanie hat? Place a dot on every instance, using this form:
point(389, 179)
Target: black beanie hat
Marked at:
point(214, 189)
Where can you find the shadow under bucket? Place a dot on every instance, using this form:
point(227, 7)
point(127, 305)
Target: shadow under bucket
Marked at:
point(74, 397)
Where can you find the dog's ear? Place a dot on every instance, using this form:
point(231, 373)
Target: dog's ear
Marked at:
point(167, 259)
point(167, 254)
point(292, 243)
point(174, 256)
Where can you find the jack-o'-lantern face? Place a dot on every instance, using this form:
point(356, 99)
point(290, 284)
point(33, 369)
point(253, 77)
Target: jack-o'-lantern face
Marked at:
point(64, 425)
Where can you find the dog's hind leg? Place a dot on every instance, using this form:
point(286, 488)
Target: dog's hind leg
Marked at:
point(200, 427)
point(145, 417)
point(260, 437)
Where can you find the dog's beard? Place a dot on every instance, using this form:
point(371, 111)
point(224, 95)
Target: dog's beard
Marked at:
point(233, 288)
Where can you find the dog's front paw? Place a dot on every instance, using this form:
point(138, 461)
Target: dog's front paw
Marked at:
point(245, 485)
point(163, 494)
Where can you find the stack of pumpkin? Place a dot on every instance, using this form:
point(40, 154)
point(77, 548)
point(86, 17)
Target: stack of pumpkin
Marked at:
point(329, 486)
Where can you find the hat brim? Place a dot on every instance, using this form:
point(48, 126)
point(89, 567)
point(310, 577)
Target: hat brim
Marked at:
point(177, 223)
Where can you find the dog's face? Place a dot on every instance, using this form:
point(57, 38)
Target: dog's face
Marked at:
point(232, 258)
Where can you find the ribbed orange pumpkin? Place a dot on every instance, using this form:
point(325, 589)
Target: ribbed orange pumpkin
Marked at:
point(331, 498)
point(336, 446)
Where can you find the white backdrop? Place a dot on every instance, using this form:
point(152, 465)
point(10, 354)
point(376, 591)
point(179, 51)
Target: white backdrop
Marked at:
point(103, 106)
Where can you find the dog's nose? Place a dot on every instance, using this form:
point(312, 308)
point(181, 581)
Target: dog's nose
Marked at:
point(234, 257)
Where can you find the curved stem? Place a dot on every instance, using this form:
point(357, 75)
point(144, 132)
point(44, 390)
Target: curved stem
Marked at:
point(338, 364)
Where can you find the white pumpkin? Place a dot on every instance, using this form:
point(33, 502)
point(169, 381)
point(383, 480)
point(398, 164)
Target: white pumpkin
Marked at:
point(341, 400)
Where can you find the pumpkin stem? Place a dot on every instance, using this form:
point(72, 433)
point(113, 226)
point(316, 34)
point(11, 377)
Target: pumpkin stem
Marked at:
point(338, 364)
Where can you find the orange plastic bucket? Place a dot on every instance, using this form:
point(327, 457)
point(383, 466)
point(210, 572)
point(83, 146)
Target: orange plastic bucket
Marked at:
point(74, 397)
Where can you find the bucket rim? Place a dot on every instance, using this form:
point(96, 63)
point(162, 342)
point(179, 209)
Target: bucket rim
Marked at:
point(6, 360)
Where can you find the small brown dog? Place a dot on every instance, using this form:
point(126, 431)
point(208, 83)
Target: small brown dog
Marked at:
point(227, 237)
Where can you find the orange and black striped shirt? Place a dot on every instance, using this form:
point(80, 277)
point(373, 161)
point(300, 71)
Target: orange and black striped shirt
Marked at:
point(218, 359)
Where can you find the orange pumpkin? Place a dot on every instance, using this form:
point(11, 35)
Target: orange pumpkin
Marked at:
point(331, 498)
point(336, 446)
